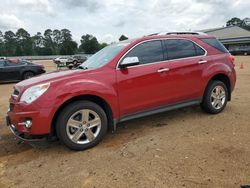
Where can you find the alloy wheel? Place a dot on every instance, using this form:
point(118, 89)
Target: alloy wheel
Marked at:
point(218, 97)
point(83, 126)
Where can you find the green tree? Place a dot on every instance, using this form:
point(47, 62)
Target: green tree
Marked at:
point(48, 42)
point(237, 22)
point(2, 53)
point(89, 44)
point(57, 40)
point(10, 43)
point(38, 44)
point(234, 21)
point(68, 46)
point(23, 43)
point(123, 37)
point(102, 45)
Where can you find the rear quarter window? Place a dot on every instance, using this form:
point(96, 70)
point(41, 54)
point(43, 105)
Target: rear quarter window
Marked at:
point(216, 44)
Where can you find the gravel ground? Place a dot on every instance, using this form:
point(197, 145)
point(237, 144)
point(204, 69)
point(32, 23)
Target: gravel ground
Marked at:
point(182, 148)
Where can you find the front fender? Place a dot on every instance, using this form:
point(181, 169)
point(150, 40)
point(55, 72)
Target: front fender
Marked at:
point(77, 88)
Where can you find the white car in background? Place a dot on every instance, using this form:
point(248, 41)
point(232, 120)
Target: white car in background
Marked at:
point(61, 60)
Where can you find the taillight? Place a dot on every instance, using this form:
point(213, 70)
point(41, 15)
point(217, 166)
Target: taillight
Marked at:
point(231, 58)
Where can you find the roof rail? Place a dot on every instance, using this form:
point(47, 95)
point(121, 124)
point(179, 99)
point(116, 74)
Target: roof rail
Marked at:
point(153, 34)
point(179, 33)
point(186, 33)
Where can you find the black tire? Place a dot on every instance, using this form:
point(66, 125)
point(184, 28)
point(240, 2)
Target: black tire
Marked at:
point(207, 104)
point(66, 114)
point(28, 74)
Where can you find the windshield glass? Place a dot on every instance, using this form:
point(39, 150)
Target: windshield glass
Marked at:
point(103, 56)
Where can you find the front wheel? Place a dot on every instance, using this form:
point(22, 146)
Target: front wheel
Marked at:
point(81, 125)
point(215, 97)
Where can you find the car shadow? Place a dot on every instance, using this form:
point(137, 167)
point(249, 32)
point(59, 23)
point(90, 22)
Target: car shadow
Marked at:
point(126, 132)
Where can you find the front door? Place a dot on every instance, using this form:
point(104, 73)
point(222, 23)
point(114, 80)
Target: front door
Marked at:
point(144, 86)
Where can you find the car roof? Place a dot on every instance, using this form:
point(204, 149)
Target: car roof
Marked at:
point(167, 36)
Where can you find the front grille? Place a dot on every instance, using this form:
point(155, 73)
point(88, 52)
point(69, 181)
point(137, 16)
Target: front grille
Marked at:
point(11, 107)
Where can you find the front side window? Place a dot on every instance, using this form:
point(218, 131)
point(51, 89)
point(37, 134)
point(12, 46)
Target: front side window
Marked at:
point(147, 52)
point(181, 48)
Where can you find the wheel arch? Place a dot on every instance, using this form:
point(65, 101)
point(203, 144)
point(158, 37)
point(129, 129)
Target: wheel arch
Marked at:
point(93, 98)
point(25, 71)
point(223, 78)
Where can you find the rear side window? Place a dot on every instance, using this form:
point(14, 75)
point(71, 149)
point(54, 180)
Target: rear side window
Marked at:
point(216, 44)
point(148, 52)
point(2, 63)
point(9, 63)
point(181, 48)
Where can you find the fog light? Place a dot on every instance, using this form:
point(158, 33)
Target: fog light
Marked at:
point(27, 124)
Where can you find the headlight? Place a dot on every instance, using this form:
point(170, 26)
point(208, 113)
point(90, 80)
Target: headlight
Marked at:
point(34, 92)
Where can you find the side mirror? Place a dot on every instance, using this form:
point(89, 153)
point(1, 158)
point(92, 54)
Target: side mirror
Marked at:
point(129, 61)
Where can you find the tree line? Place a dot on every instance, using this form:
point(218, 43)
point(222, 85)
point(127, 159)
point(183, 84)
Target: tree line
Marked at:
point(238, 22)
point(51, 42)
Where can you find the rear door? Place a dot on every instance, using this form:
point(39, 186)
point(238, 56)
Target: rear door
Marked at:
point(187, 63)
point(147, 85)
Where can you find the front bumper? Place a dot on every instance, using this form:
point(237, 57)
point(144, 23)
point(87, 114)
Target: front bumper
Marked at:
point(41, 118)
point(22, 136)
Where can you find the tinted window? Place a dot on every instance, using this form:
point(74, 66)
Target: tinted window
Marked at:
point(2, 63)
point(9, 63)
point(216, 44)
point(180, 48)
point(147, 52)
point(199, 50)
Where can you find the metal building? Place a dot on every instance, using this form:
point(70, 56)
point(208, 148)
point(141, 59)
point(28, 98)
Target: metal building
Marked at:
point(233, 37)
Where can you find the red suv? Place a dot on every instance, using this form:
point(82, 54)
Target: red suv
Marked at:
point(123, 81)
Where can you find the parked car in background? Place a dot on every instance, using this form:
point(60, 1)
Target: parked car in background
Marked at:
point(123, 81)
point(18, 70)
point(75, 61)
point(240, 51)
point(61, 60)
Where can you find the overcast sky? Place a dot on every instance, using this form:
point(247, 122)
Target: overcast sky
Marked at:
point(108, 19)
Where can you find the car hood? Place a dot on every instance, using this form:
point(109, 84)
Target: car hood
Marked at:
point(49, 77)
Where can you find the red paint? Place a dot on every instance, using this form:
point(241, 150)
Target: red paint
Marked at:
point(126, 91)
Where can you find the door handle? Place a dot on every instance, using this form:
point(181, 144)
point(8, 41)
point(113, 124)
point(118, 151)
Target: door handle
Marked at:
point(163, 70)
point(202, 61)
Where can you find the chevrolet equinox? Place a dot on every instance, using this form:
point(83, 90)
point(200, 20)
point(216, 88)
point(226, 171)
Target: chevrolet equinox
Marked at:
point(123, 81)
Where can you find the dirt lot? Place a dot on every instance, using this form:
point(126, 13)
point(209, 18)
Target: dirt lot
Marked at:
point(183, 148)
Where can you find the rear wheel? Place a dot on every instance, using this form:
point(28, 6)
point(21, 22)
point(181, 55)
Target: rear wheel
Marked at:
point(215, 97)
point(81, 125)
point(28, 75)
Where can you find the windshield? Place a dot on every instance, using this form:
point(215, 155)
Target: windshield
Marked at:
point(103, 56)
